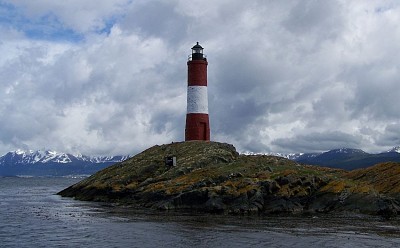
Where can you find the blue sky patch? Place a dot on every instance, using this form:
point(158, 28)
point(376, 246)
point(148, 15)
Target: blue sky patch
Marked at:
point(108, 24)
point(47, 27)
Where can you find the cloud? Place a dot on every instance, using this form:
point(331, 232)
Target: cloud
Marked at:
point(109, 77)
point(325, 141)
point(157, 19)
point(389, 135)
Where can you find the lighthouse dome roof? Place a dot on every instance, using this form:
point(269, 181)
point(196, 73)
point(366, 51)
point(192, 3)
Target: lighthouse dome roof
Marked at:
point(197, 46)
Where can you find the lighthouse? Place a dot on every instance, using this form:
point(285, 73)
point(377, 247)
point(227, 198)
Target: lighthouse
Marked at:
point(197, 122)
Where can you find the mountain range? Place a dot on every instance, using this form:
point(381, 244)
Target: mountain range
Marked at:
point(342, 158)
point(51, 163)
point(346, 158)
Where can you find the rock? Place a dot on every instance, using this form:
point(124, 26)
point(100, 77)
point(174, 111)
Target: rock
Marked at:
point(147, 181)
point(276, 205)
point(269, 186)
point(388, 207)
point(257, 200)
point(282, 180)
point(191, 199)
point(235, 175)
point(164, 205)
point(215, 205)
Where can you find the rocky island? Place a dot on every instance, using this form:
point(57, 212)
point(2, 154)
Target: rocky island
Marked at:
point(214, 177)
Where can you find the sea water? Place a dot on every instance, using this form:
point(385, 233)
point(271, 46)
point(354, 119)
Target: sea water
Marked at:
point(32, 215)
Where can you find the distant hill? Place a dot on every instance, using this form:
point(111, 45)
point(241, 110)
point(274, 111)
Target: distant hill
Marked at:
point(349, 159)
point(51, 163)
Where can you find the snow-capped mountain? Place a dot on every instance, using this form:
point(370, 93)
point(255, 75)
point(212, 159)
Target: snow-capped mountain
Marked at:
point(302, 156)
point(395, 149)
point(291, 156)
point(33, 157)
point(346, 151)
point(53, 163)
point(347, 158)
point(295, 156)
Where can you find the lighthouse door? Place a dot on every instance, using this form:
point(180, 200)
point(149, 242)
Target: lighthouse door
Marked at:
point(203, 131)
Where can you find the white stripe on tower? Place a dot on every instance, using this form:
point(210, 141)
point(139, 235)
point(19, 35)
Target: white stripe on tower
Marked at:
point(197, 100)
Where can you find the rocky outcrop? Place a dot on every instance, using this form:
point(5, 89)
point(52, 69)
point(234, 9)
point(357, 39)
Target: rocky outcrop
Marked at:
point(213, 177)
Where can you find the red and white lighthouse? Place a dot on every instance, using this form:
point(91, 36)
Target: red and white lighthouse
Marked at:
point(197, 122)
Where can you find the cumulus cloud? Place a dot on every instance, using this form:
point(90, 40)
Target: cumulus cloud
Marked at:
point(109, 77)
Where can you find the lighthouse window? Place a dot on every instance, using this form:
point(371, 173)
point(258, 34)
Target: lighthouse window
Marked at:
point(197, 51)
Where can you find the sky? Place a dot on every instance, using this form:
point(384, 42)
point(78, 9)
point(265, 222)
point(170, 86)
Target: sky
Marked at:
point(102, 77)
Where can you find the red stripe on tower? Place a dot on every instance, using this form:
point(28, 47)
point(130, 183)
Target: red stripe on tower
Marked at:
point(197, 122)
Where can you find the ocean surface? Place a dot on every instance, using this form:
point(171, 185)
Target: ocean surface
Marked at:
point(32, 215)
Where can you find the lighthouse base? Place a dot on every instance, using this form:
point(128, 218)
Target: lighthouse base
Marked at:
point(197, 127)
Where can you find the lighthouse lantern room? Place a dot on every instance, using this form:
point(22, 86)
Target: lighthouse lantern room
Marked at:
point(197, 52)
